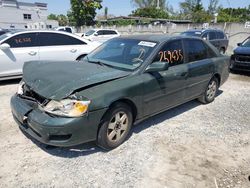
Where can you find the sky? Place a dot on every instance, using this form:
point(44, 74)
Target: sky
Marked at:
point(125, 7)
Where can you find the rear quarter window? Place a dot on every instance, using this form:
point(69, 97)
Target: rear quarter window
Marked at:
point(220, 35)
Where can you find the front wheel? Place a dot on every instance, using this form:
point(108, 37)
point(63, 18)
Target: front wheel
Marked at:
point(115, 126)
point(211, 91)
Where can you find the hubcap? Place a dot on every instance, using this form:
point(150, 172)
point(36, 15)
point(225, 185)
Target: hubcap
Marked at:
point(211, 91)
point(117, 126)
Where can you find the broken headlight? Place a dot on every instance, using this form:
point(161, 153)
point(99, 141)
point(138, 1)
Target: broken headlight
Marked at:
point(20, 88)
point(67, 107)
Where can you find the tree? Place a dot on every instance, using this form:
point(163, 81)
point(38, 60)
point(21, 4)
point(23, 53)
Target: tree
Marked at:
point(52, 17)
point(83, 12)
point(62, 20)
point(213, 6)
point(194, 10)
point(150, 12)
point(149, 3)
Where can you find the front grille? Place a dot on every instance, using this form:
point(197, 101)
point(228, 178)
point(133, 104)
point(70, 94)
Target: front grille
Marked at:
point(242, 58)
point(28, 93)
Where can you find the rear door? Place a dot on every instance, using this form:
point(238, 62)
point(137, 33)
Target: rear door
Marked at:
point(57, 46)
point(166, 89)
point(213, 39)
point(200, 66)
point(23, 47)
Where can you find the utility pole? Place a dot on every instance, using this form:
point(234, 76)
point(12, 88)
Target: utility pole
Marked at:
point(158, 4)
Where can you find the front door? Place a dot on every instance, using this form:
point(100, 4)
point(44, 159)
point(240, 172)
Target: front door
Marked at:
point(23, 48)
point(166, 89)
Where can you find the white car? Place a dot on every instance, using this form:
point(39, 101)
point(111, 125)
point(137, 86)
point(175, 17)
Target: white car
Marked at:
point(100, 35)
point(19, 47)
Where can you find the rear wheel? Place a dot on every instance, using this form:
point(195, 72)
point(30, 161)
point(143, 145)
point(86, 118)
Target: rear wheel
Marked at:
point(222, 50)
point(115, 126)
point(211, 91)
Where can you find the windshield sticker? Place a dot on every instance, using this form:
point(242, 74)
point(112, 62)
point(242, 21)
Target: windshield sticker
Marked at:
point(197, 33)
point(148, 44)
point(171, 56)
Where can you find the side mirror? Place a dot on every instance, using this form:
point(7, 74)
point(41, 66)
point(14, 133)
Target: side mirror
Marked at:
point(157, 66)
point(239, 44)
point(4, 46)
point(95, 34)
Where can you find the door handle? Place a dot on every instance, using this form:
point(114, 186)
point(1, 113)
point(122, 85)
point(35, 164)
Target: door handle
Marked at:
point(32, 53)
point(73, 50)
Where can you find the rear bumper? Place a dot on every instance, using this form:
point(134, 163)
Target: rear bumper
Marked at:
point(56, 131)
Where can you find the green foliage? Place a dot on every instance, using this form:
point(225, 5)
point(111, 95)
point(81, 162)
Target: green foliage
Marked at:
point(62, 19)
point(150, 12)
point(52, 17)
point(149, 3)
point(83, 12)
point(234, 14)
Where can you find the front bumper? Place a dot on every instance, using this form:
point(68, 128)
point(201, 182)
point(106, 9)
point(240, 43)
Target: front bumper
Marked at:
point(53, 130)
point(239, 65)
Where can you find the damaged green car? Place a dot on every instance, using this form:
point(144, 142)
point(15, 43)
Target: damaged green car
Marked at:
point(123, 81)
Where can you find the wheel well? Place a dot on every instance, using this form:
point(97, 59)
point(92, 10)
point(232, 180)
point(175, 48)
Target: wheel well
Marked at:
point(129, 103)
point(81, 56)
point(217, 76)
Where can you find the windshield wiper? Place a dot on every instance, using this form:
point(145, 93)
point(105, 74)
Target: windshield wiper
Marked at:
point(96, 62)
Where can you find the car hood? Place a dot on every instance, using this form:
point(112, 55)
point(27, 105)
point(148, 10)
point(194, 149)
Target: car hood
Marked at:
point(242, 50)
point(57, 80)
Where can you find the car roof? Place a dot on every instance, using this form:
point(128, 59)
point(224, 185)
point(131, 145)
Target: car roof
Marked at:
point(16, 32)
point(203, 30)
point(159, 38)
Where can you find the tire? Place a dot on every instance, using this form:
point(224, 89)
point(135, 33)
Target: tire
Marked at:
point(222, 51)
point(115, 126)
point(210, 92)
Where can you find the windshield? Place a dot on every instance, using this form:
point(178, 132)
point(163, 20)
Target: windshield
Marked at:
point(122, 53)
point(90, 32)
point(2, 37)
point(192, 33)
point(246, 43)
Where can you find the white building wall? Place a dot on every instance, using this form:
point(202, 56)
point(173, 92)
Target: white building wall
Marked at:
point(12, 15)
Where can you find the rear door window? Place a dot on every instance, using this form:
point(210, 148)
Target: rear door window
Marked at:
point(220, 35)
point(23, 40)
point(212, 35)
point(109, 32)
point(195, 50)
point(56, 39)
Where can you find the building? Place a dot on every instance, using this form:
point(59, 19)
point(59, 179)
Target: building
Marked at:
point(22, 15)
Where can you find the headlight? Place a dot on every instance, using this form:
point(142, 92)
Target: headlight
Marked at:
point(67, 107)
point(20, 88)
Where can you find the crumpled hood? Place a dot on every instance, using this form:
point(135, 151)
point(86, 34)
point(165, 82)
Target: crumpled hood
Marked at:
point(242, 50)
point(57, 80)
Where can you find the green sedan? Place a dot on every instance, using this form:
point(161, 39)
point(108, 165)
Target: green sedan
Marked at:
point(120, 83)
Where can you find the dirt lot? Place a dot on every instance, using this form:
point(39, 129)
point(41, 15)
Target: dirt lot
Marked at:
point(189, 146)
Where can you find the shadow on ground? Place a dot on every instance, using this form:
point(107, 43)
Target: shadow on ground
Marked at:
point(10, 82)
point(90, 148)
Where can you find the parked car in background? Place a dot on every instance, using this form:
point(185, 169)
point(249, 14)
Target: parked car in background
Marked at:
point(19, 47)
point(65, 29)
point(3, 31)
point(125, 80)
point(100, 35)
point(240, 60)
point(215, 36)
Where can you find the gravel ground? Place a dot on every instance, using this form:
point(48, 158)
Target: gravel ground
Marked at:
point(192, 145)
